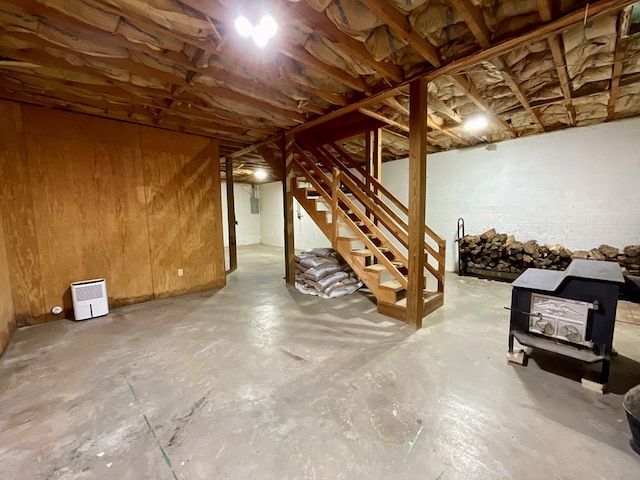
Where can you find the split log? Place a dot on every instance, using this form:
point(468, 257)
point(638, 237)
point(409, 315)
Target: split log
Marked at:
point(503, 253)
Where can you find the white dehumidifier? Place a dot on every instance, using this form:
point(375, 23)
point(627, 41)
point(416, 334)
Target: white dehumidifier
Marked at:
point(89, 299)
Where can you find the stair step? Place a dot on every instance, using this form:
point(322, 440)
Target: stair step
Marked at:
point(394, 285)
point(375, 268)
point(427, 297)
point(348, 238)
point(361, 253)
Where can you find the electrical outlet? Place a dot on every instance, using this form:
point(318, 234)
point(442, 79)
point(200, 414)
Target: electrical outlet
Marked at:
point(180, 272)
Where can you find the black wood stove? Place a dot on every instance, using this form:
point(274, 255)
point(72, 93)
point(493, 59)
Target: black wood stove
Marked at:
point(570, 313)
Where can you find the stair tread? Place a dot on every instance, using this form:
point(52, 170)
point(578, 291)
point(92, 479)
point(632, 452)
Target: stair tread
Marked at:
point(427, 297)
point(376, 268)
point(362, 253)
point(352, 238)
point(394, 285)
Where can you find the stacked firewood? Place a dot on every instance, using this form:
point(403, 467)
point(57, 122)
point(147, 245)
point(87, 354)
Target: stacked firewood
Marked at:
point(503, 253)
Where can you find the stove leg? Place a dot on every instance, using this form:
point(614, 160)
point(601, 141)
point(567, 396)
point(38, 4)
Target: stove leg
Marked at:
point(515, 356)
point(604, 373)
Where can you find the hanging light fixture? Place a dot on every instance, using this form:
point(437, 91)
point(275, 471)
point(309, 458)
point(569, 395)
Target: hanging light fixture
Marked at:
point(260, 174)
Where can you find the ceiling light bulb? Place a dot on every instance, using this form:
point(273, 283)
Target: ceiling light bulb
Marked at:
point(259, 37)
point(268, 26)
point(260, 174)
point(476, 123)
point(244, 27)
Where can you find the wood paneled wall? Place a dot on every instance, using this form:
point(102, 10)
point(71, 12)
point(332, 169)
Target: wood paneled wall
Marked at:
point(7, 320)
point(84, 197)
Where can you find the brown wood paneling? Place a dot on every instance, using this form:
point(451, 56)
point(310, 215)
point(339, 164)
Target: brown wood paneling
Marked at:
point(7, 319)
point(80, 199)
point(18, 219)
point(182, 179)
point(90, 219)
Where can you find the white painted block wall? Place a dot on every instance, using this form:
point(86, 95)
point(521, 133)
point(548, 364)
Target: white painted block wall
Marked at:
point(248, 230)
point(307, 234)
point(579, 187)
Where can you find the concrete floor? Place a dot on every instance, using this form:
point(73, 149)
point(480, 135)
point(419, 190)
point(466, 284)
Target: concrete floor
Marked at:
point(257, 381)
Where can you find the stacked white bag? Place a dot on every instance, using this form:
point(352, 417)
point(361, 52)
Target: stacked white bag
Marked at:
point(324, 273)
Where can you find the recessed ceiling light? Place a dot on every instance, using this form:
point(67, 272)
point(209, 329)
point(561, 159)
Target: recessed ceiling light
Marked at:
point(260, 174)
point(477, 123)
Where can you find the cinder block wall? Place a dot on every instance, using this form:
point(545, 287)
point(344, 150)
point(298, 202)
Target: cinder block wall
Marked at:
point(578, 187)
point(248, 228)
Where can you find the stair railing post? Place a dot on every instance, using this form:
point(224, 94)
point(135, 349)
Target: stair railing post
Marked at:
point(335, 188)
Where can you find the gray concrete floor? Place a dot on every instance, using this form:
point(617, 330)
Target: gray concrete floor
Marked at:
point(257, 381)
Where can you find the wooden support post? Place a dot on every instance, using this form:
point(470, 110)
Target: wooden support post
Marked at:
point(373, 147)
point(376, 169)
point(368, 153)
point(335, 188)
point(417, 200)
point(231, 217)
point(287, 190)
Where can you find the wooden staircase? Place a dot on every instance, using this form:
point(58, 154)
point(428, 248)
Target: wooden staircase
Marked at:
point(365, 223)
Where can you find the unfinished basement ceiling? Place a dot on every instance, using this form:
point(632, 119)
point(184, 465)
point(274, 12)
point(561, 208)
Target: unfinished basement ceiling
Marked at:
point(180, 65)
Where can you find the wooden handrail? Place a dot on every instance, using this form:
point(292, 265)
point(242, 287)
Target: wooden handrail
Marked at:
point(313, 181)
point(386, 221)
point(360, 191)
point(313, 165)
point(362, 216)
point(437, 238)
point(381, 211)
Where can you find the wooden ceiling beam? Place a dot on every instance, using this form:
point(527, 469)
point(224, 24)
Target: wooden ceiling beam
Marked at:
point(382, 118)
point(545, 8)
point(596, 9)
point(511, 80)
point(138, 94)
point(179, 58)
point(618, 60)
point(434, 105)
point(400, 27)
point(137, 21)
point(472, 16)
point(465, 85)
point(300, 55)
point(270, 74)
point(257, 90)
point(73, 27)
point(431, 123)
point(305, 14)
point(125, 116)
point(563, 76)
point(218, 11)
point(124, 64)
point(260, 105)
